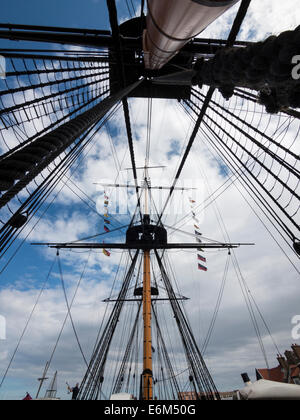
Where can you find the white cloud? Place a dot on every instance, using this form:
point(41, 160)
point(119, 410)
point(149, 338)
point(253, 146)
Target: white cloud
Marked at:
point(263, 19)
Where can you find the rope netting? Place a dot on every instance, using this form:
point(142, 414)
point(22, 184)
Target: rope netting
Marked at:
point(262, 149)
point(39, 95)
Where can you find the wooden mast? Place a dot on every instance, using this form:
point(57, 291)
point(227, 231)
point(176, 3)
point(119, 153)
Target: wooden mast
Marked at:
point(147, 316)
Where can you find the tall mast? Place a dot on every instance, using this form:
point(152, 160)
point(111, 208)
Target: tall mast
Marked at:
point(147, 315)
point(42, 380)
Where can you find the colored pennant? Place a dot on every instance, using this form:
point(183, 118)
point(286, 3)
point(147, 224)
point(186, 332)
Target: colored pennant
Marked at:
point(197, 237)
point(106, 229)
point(201, 267)
point(105, 252)
point(107, 221)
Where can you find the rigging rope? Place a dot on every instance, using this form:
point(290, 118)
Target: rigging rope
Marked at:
point(242, 282)
point(92, 382)
point(256, 179)
point(200, 373)
point(47, 186)
point(188, 148)
point(27, 324)
point(69, 307)
point(217, 307)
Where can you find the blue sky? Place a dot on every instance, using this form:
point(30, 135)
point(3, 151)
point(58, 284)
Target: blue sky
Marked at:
point(90, 14)
point(73, 13)
point(21, 281)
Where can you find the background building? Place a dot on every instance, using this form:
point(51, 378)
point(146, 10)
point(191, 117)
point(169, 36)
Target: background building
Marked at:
point(288, 370)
